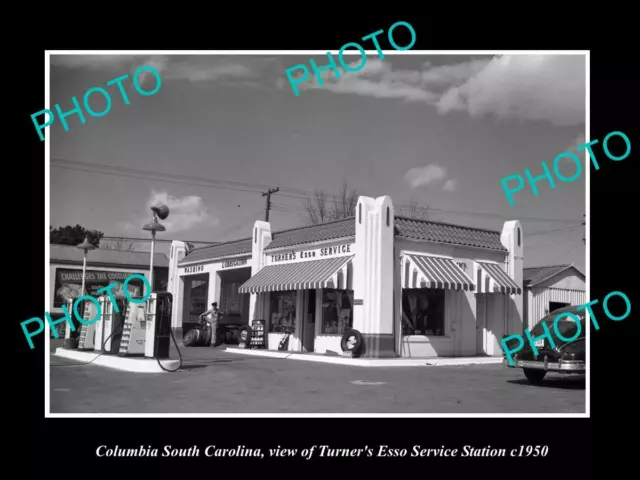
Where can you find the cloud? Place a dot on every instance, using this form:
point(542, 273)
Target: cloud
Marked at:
point(193, 68)
point(185, 213)
point(450, 185)
point(530, 87)
point(579, 140)
point(430, 174)
point(94, 62)
point(147, 78)
point(420, 176)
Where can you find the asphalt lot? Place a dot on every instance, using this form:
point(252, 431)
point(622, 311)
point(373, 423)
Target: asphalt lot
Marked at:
point(214, 381)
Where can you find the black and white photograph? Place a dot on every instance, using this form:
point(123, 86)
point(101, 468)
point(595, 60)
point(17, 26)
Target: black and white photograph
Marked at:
point(396, 232)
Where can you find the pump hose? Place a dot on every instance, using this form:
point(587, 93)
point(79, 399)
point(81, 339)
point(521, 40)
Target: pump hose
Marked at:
point(97, 356)
point(104, 352)
point(177, 348)
point(179, 354)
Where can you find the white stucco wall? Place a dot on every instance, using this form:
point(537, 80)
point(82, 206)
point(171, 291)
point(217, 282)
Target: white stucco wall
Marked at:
point(460, 306)
point(213, 292)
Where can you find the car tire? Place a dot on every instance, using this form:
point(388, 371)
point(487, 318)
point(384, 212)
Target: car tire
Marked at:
point(244, 336)
point(191, 338)
point(352, 341)
point(533, 375)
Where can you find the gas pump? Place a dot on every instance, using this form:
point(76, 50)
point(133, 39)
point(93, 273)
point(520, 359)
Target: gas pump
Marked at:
point(133, 332)
point(158, 332)
point(70, 337)
point(88, 332)
point(109, 327)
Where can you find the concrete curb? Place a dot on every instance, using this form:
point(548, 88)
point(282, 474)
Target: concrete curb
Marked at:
point(370, 362)
point(127, 364)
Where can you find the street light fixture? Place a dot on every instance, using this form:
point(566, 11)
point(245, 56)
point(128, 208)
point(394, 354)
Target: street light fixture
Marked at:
point(85, 246)
point(161, 212)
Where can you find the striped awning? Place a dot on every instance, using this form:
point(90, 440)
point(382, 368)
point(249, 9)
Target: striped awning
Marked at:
point(492, 279)
point(327, 273)
point(425, 271)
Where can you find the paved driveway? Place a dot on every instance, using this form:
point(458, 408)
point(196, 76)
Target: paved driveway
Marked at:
point(214, 381)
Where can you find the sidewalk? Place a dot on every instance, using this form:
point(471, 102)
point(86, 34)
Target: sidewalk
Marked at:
point(368, 362)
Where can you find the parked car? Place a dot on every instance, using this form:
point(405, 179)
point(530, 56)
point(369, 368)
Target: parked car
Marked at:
point(565, 357)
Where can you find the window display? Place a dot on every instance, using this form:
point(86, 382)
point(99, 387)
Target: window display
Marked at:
point(337, 311)
point(230, 299)
point(423, 312)
point(199, 289)
point(283, 312)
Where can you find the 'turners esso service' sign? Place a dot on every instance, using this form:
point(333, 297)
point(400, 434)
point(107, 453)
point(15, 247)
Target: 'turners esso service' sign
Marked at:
point(293, 256)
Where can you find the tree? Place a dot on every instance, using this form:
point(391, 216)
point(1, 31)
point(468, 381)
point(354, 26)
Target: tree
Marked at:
point(415, 211)
point(321, 208)
point(118, 244)
point(72, 236)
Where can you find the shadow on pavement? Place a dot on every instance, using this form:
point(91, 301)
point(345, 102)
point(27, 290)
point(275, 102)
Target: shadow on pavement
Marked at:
point(576, 383)
point(191, 366)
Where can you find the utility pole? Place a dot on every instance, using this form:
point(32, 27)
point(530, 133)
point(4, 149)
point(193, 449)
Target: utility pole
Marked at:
point(584, 223)
point(268, 207)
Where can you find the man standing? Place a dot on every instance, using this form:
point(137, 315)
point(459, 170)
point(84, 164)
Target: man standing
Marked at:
point(212, 317)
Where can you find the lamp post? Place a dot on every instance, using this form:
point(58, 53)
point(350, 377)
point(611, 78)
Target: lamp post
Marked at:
point(85, 246)
point(161, 212)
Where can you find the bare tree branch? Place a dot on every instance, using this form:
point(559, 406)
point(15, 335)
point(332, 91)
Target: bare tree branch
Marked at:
point(318, 209)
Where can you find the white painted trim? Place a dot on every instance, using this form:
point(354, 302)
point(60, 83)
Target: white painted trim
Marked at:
point(128, 364)
point(213, 260)
point(370, 362)
point(409, 252)
point(458, 245)
point(488, 261)
point(307, 246)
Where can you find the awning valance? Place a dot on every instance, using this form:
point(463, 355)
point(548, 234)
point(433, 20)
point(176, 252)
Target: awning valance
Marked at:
point(492, 279)
point(326, 273)
point(425, 271)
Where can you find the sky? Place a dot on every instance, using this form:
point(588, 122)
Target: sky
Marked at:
point(438, 130)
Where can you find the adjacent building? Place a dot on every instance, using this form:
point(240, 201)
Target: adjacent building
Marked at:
point(413, 288)
point(104, 267)
point(550, 287)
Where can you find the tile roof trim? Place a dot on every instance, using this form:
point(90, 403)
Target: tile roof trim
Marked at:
point(402, 217)
point(119, 266)
point(418, 240)
point(184, 263)
point(344, 220)
point(310, 244)
point(160, 258)
point(222, 243)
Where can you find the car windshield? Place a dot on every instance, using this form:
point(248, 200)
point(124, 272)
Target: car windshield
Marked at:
point(566, 326)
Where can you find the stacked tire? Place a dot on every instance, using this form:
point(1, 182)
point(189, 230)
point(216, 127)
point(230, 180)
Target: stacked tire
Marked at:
point(192, 338)
point(352, 342)
point(243, 335)
point(197, 337)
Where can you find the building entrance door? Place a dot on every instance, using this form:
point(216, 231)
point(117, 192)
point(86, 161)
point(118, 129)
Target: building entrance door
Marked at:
point(309, 325)
point(481, 324)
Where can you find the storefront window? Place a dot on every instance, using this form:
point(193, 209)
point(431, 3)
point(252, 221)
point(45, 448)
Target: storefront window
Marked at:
point(337, 311)
point(230, 298)
point(283, 312)
point(199, 290)
point(423, 312)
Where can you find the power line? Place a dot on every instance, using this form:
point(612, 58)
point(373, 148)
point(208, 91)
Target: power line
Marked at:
point(255, 188)
point(547, 232)
point(240, 224)
point(157, 240)
point(268, 206)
